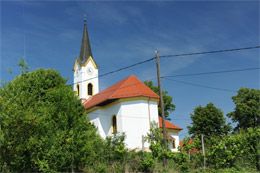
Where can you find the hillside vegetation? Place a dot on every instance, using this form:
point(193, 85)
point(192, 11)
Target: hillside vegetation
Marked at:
point(44, 128)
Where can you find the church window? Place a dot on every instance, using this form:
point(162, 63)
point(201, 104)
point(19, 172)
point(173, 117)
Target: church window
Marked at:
point(77, 89)
point(90, 89)
point(113, 124)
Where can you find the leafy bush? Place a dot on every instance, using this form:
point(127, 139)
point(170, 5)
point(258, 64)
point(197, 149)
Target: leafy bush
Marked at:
point(146, 163)
point(44, 126)
point(235, 150)
point(182, 161)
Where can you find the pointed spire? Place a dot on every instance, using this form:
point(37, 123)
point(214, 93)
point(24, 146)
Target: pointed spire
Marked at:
point(85, 50)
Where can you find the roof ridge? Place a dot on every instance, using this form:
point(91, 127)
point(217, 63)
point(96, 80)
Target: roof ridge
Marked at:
point(120, 83)
point(138, 88)
point(123, 82)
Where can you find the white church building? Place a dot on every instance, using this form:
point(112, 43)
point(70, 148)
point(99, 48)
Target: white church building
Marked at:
point(128, 106)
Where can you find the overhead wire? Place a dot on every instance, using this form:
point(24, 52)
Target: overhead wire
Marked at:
point(198, 85)
point(183, 134)
point(208, 52)
point(117, 70)
point(166, 77)
point(153, 58)
point(214, 72)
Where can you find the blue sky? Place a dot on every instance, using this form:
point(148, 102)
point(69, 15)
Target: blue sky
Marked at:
point(48, 34)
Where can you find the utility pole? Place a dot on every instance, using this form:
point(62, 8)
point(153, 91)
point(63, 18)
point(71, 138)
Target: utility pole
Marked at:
point(143, 143)
point(161, 104)
point(203, 151)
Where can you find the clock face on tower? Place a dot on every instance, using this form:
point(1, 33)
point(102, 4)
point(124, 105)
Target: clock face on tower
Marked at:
point(90, 71)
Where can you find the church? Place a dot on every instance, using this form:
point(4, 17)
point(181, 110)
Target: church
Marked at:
point(128, 106)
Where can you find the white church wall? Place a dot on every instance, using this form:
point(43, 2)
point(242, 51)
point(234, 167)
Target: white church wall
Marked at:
point(134, 124)
point(135, 121)
point(102, 119)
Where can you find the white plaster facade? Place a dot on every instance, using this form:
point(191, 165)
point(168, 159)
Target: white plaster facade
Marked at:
point(83, 76)
point(133, 118)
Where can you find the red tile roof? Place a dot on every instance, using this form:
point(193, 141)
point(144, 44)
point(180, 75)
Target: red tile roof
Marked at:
point(168, 125)
point(129, 87)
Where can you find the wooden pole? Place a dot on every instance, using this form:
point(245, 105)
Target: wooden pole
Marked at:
point(142, 143)
point(203, 151)
point(161, 104)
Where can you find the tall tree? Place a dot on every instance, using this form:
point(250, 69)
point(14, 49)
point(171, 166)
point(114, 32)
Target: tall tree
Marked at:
point(208, 121)
point(44, 126)
point(247, 110)
point(168, 106)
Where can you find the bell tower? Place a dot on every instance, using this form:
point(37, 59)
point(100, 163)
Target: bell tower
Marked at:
point(85, 69)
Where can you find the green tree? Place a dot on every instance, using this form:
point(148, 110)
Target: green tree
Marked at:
point(247, 110)
point(209, 121)
point(156, 140)
point(237, 150)
point(247, 116)
point(44, 126)
point(167, 100)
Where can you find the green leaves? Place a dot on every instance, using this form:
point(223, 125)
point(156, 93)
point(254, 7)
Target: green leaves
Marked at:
point(247, 110)
point(168, 106)
point(231, 149)
point(209, 121)
point(44, 126)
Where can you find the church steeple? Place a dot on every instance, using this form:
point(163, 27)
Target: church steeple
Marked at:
point(85, 69)
point(85, 50)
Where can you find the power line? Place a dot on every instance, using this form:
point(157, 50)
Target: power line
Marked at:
point(214, 51)
point(166, 77)
point(214, 72)
point(221, 89)
point(120, 69)
point(184, 134)
point(153, 58)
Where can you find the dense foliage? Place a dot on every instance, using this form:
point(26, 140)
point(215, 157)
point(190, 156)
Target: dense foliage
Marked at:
point(237, 150)
point(247, 110)
point(168, 106)
point(208, 121)
point(44, 126)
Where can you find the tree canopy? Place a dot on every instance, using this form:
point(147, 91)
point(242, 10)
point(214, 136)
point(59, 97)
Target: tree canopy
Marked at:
point(247, 110)
point(167, 100)
point(44, 126)
point(209, 121)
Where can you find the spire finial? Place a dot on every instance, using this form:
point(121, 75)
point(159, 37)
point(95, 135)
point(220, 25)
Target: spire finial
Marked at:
point(85, 16)
point(85, 49)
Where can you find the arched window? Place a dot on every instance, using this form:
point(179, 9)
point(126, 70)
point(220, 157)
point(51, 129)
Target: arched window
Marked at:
point(90, 89)
point(113, 124)
point(77, 89)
